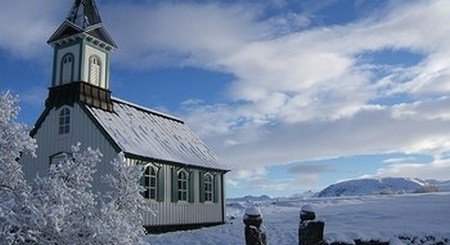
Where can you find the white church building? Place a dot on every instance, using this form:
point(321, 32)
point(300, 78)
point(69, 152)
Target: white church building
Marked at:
point(183, 179)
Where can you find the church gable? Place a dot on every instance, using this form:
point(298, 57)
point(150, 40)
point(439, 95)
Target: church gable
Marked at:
point(101, 34)
point(64, 31)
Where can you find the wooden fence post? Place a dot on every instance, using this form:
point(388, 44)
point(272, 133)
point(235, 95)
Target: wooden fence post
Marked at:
point(255, 232)
point(310, 231)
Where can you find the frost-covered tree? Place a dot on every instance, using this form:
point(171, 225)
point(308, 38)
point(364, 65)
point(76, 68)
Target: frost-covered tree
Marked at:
point(125, 205)
point(69, 205)
point(66, 199)
point(62, 207)
point(18, 217)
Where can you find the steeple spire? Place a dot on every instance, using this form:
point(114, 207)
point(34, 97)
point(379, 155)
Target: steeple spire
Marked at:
point(84, 13)
point(83, 19)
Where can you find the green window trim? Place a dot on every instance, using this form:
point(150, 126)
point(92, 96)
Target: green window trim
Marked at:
point(216, 183)
point(184, 179)
point(182, 185)
point(174, 178)
point(160, 188)
point(191, 191)
point(201, 185)
point(209, 187)
point(152, 181)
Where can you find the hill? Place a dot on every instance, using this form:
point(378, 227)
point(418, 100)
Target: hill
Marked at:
point(362, 187)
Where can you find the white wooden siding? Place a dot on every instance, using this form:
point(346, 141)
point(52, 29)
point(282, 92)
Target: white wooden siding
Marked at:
point(179, 213)
point(82, 130)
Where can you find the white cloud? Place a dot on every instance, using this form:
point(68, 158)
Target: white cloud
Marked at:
point(399, 160)
point(25, 25)
point(183, 33)
point(313, 98)
point(370, 131)
point(438, 169)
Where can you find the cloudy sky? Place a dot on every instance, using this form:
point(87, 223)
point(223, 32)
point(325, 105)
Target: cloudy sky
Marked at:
point(292, 95)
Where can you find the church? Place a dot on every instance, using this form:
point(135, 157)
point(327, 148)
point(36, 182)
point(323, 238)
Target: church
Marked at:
point(183, 179)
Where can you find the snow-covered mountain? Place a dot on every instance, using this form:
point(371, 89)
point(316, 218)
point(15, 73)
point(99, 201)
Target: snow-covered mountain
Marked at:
point(361, 187)
point(252, 199)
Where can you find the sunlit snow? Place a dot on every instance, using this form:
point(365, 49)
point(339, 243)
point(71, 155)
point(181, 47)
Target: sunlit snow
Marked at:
point(382, 218)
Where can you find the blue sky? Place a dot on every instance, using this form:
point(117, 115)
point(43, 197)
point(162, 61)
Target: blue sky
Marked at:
point(292, 95)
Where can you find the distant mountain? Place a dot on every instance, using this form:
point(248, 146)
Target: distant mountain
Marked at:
point(362, 187)
point(251, 199)
point(444, 186)
point(305, 194)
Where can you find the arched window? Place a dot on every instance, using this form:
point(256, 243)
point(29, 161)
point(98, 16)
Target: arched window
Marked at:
point(67, 63)
point(94, 70)
point(64, 121)
point(150, 182)
point(182, 186)
point(209, 188)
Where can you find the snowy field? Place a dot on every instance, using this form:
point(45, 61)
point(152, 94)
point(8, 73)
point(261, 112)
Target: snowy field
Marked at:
point(366, 217)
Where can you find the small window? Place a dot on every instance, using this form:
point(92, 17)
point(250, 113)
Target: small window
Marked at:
point(94, 70)
point(150, 182)
point(67, 69)
point(64, 121)
point(209, 190)
point(182, 186)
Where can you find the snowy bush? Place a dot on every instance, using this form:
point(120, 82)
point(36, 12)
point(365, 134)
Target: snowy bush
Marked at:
point(62, 208)
point(72, 214)
point(17, 215)
point(125, 204)
point(66, 200)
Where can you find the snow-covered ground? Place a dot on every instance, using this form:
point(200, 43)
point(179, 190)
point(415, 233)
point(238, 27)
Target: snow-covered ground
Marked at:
point(364, 217)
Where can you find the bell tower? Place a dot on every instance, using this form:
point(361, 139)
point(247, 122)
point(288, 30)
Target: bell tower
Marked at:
point(82, 47)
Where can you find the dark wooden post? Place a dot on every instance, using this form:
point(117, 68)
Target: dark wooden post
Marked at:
point(310, 231)
point(255, 232)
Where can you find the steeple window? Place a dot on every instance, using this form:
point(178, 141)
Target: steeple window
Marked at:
point(94, 70)
point(67, 64)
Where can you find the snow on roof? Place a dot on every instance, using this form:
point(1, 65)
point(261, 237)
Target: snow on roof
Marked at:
point(146, 109)
point(150, 134)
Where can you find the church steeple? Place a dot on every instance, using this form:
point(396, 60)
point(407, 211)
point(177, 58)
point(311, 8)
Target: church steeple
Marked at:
point(81, 58)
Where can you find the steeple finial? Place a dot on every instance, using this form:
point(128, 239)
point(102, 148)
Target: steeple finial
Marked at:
point(83, 18)
point(84, 13)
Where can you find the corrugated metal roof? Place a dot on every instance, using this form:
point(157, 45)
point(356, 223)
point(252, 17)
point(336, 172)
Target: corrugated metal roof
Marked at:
point(147, 133)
